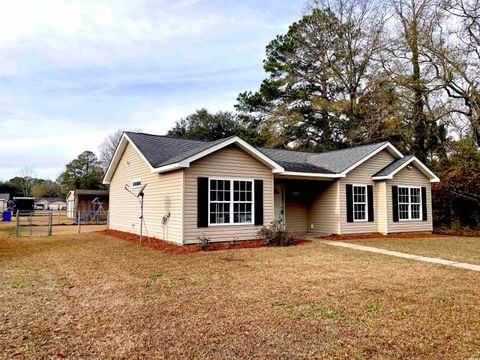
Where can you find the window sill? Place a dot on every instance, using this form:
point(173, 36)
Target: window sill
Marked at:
point(231, 224)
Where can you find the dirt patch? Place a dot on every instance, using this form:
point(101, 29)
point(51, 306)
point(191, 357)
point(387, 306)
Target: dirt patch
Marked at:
point(170, 248)
point(380, 236)
point(73, 229)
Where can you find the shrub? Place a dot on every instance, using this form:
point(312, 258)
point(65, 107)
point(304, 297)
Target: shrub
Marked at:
point(203, 242)
point(275, 235)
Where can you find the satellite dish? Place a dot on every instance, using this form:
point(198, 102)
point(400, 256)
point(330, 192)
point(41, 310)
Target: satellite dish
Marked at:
point(140, 192)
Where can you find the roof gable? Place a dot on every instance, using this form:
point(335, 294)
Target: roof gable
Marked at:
point(389, 171)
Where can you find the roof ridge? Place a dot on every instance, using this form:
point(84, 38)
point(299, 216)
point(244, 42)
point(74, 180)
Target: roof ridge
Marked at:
point(168, 136)
point(324, 152)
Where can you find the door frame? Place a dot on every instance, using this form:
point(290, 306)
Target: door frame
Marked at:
point(281, 188)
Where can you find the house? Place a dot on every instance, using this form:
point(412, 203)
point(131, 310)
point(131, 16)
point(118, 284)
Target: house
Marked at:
point(50, 203)
point(4, 201)
point(227, 189)
point(83, 201)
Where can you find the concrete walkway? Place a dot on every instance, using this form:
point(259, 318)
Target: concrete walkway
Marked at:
point(400, 254)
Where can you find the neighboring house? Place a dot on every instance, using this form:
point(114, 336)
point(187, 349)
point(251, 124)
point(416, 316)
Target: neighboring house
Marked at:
point(81, 200)
point(57, 205)
point(50, 203)
point(227, 189)
point(4, 200)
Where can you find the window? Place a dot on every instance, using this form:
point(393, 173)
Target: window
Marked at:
point(409, 203)
point(230, 201)
point(136, 183)
point(359, 202)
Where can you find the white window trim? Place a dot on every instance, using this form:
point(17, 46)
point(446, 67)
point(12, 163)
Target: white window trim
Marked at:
point(136, 186)
point(366, 202)
point(410, 203)
point(232, 201)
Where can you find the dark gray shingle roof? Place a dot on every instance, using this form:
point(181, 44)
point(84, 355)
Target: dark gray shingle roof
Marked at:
point(91, 192)
point(387, 170)
point(331, 162)
point(165, 150)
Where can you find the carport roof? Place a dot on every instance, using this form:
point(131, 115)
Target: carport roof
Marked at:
point(91, 192)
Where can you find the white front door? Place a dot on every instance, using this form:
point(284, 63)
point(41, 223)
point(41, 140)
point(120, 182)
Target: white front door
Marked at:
point(279, 203)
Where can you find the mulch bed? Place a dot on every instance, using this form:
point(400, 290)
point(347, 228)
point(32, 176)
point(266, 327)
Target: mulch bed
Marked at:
point(380, 236)
point(170, 248)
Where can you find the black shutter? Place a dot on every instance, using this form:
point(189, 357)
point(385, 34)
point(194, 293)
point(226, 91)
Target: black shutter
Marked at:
point(424, 203)
point(370, 203)
point(349, 203)
point(395, 203)
point(258, 202)
point(202, 202)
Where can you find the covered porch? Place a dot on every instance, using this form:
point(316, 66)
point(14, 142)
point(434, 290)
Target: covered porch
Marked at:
point(307, 206)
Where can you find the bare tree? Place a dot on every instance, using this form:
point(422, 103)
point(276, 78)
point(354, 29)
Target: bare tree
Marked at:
point(360, 38)
point(457, 59)
point(109, 145)
point(407, 60)
point(25, 180)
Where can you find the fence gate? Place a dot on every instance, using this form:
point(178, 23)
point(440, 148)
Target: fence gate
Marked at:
point(31, 223)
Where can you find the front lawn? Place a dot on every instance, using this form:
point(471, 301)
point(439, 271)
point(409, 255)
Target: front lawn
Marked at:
point(92, 295)
point(455, 248)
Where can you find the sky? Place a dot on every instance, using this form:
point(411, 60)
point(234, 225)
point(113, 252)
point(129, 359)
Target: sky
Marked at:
point(71, 72)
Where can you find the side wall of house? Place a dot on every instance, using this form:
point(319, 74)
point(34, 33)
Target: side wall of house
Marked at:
point(163, 196)
point(362, 175)
point(409, 177)
point(228, 163)
point(324, 210)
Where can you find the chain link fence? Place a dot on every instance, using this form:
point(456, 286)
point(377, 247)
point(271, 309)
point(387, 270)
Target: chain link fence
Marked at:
point(46, 223)
point(29, 223)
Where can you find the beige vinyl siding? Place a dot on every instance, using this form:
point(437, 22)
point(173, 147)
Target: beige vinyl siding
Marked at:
point(324, 211)
point(409, 177)
point(163, 195)
point(380, 199)
point(362, 175)
point(295, 214)
point(230, 162)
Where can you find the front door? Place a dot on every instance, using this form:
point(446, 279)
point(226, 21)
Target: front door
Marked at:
point(279, 203)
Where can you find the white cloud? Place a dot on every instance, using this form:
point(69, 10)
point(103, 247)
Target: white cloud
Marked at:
point(93, 32)
point(75, 70)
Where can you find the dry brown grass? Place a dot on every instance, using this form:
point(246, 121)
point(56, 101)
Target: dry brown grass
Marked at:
point(97, 296)
point(462, 249)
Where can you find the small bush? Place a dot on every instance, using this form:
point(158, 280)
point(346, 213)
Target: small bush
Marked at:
point(275, 235)
point(203, 242)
